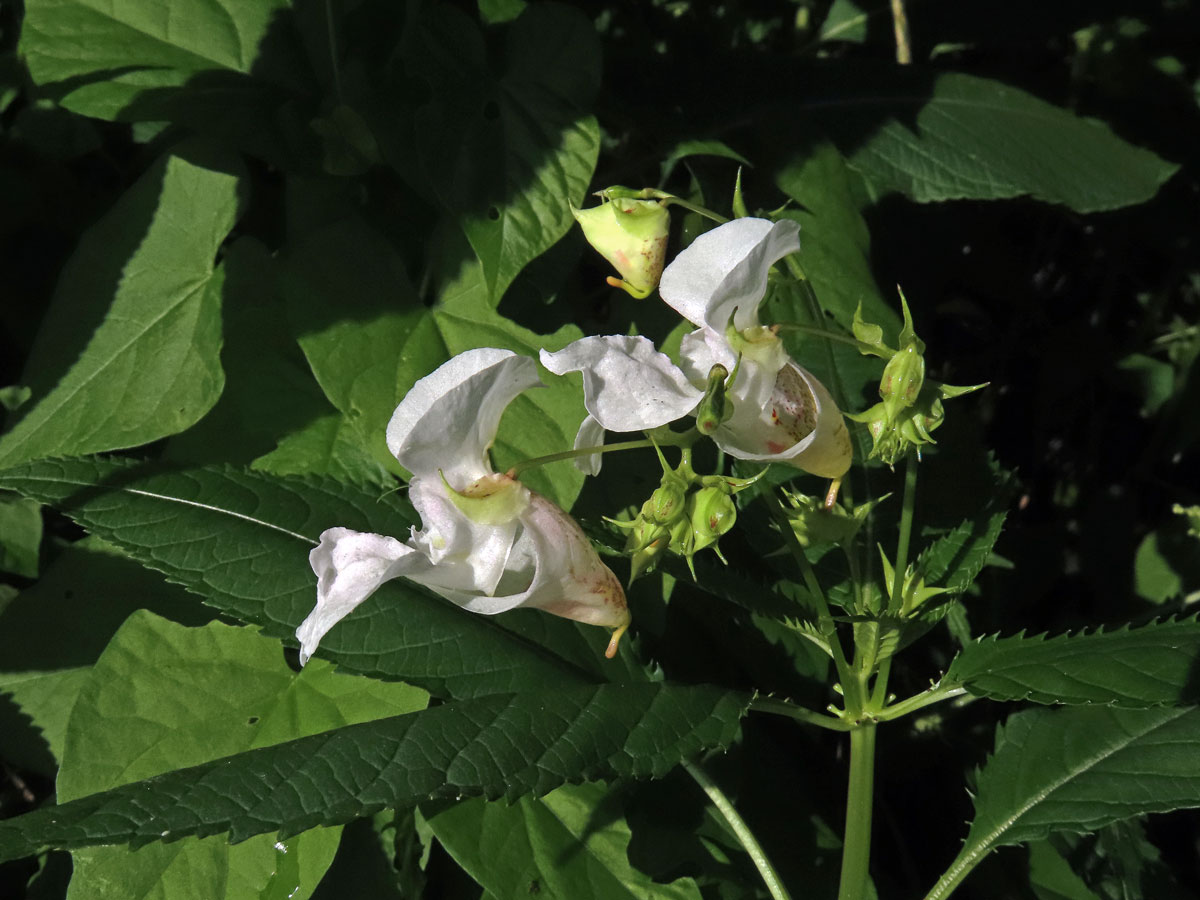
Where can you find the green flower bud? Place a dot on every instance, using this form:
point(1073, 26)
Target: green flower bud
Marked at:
point(716, 407)
point(902, 379)
point(667, 502)
point(712, 514)
point(631, 234)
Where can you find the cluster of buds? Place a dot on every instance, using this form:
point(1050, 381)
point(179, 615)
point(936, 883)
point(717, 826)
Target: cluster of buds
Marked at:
point(629, 228)
point(686, 513)
point(910, 406)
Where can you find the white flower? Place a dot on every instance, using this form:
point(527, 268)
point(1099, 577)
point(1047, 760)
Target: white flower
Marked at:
point(488, 543)
point(781, 412)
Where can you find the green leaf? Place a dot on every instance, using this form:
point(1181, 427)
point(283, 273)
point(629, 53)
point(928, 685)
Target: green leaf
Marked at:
point(955, 559)
point(20, 535)
point(368, 340)
point(54, 630)
point(366, 336)
point(570, 843)
point(1051, 877)
point(129, 349)
point(835, 246)
point(498, 746)
point(45, 700)
point(329, 445)
point(241, 540)
point(1078, 770)
point(961, 137)
point(529, 121)
point(1153, 665)
point(228, 690)
point(835, 249)
point(228, 70)
point(846, 21)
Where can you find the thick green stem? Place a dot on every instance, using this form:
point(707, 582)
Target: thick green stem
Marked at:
point(799, 713)
point(896, 601)
point(741, 830)
point(856, 846)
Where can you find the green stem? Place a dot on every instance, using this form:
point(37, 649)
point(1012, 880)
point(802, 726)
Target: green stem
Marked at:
point(769, 876)
point(671, 199)
point(896, 601)
point(333, 56)
point(860, 346)
point(683, 438)
point(799, 713)
point(824, 617)
point(935, 694)
point(856, 846)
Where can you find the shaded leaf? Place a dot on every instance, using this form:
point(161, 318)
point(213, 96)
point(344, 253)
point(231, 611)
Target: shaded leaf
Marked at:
point(497, 746)
point(1078, 770)
point(570, 843)
point(144, 279)
point(529, 120)
point(953, 136)
point(20, 535)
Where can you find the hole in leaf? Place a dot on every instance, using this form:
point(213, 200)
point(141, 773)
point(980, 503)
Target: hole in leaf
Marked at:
point(493, 214)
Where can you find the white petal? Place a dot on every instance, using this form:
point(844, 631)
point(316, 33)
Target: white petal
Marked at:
point(571, 580)
point(726, 269)
point(800, 425)
point(449, 419)
point(466, 556)
point(590, 434)
point(350, 566)
point(702, 349)
point(627, 384)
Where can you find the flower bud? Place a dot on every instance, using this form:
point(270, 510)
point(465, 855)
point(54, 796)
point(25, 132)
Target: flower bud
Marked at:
point(902, 379)
point(716, 408)
point(712, 514)
point(631, 234)
point(666, 504)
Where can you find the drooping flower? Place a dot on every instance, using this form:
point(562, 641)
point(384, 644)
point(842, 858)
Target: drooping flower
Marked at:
point(487, 542)
point(781, 413)
point(630, 231)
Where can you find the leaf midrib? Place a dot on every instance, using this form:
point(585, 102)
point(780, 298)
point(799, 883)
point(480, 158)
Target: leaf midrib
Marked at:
point(969, 859)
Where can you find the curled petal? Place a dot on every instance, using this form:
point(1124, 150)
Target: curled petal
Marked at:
point(627, 384)
point(449, 419)
point(800, 425)
point(350, 566)
point(725, 270)
point(468, 556)
point(590, 434)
